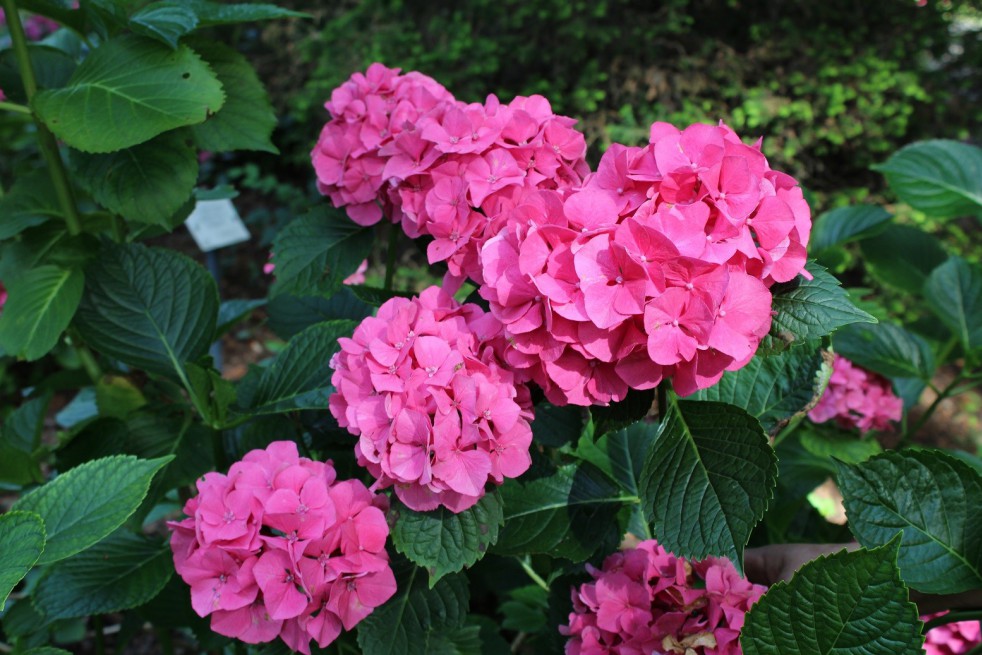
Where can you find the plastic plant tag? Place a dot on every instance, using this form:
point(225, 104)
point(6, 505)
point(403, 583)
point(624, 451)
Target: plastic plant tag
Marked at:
point(216, 224)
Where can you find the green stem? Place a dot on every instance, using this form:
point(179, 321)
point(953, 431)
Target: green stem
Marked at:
point(118, 228)
point(100, 638)
point(953, 617)
point(85, 356)
point(946, 351)
point(926, 416)
point(526, 563)
point(390, 264)
point(46, 140)
point(14, 107)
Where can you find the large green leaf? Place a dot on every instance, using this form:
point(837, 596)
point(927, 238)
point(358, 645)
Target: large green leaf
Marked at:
point(621, 414)
point(223, 13)
point(52, 69)
point(809, 309)
point(246, 120)
point(841, 604)
point(903, 256)
point(290, 315)
point(165, 20)
point(29, 202)
point(150, 308)
point(122, 571)
point(555, 426)
point(443, 542)
point(146, 183)
point(954, 293)
point(847, 224)
point(316, 252)
point(59, 10)
point(86, 504)
point(417, 620)
point(565, 514)
point(707, 479)
point(300, 375)
point(886, 349)
point(127, 91)
point(777, 387)
point(940, 178)
point(41, 304)
point(930, 497)
point(21, 542)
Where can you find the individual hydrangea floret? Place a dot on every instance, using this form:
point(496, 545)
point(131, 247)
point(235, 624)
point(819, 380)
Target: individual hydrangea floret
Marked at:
point(857, 398)
point(280, 547)
point(402, 146)
point(646, 600)
point(955, 638)
point(437, 413)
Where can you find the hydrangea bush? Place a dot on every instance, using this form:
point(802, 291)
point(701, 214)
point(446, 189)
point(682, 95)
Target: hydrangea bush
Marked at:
point(629, 376)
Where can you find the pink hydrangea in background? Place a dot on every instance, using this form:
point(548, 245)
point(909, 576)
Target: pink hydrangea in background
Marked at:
point(952, 638)
point(3, 296)
point(646, 600)
point(280, 547)
point(857, 398)
point(403, 146)
point(35, 27)
point(437, 412)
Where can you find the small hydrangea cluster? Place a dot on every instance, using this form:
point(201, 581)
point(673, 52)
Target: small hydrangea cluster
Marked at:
point(646, 600)
point(279, 547)
point(403, 145)
point(658, 267)
point(952, 638)
point(857, 398)
point(437, 413)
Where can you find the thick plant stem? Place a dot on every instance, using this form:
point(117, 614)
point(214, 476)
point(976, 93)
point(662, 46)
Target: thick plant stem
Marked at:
point(526, 563)
point(46, 140)
point(14, 107)
point(390, 264)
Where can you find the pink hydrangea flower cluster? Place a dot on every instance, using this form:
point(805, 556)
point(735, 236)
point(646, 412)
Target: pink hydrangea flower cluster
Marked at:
point(280, 547)
point(952, 638)
point(659, 266)
point(402, 145)
point(437, 413)
point(646, 600)
point(857, 398)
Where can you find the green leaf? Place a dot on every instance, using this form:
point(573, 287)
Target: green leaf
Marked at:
point(222, 13)
point(214, 393)
point(954, 293)
point(122, 571)
point(314, 253)
point(86, 504)
point(619, 415)
point(52, 69)
point(151, 308)
point(707, 479)
point(20, 438)
point(886, 349)
point(29, 202)
point(21, 542)
point(290, 315)
point(526, 611)
point(443, 542)
point(127, 91)
point(809, 309)
point(166, 20)
point(147, 183)
point(847, 224)
point(565, 514)
point(842, 604)
point(232, 312)
point(846, 446)
point(117, 396)
point(417, 620)
point(246, 120)
point(555, 426)
point(47, 650)
point(59, 10)
point(903, 256)
point(933, 500)
point(775, 388)
point(376, 297)
point(39, 308)
point(940, 178)
point(304, 367)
